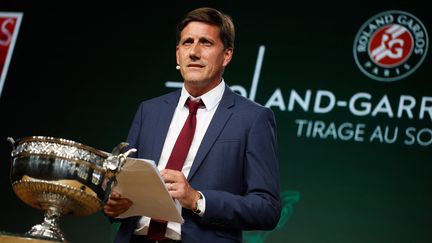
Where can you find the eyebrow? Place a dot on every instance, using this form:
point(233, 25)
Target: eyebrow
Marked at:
point(201, 39)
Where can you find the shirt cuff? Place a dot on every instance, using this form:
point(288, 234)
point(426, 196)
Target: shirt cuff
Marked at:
point(201, 205)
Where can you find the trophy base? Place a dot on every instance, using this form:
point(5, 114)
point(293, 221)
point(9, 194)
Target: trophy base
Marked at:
point(11, 238)
point(46, 231)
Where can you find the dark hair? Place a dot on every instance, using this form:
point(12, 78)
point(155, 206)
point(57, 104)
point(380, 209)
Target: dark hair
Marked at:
point(213, 17)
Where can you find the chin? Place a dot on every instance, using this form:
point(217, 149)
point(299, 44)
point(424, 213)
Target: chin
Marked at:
point(196, 80)
point(195, 83)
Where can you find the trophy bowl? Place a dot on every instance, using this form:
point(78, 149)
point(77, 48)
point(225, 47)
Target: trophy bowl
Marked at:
point(61, 177)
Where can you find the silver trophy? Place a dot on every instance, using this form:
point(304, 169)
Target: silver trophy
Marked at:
point(62, 177)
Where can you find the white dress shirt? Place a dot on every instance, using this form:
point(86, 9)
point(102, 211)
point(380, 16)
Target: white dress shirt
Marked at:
point(211, 101)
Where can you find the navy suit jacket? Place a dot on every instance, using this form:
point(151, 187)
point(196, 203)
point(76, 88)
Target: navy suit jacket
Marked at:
point(236, 167)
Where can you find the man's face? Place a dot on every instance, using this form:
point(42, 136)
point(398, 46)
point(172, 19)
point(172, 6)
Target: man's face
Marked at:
point(202, 57)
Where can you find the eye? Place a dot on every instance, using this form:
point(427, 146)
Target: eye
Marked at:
point(187, 42)
point(206, 42)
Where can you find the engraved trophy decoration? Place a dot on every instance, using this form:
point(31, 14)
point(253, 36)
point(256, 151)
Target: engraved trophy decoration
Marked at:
point(62, 177)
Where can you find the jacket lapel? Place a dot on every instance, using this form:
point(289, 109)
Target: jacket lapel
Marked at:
point(163, 123)
point(216, 126)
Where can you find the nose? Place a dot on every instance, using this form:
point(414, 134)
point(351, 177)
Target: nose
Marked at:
point(195, 51)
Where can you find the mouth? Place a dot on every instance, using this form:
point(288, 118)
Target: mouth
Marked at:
point(195, 65)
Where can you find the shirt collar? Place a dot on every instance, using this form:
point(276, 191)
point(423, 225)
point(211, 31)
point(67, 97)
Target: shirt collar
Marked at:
point(211, 99)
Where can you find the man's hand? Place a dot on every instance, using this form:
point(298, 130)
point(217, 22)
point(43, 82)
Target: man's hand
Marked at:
point(116, 205)
point(180, 189)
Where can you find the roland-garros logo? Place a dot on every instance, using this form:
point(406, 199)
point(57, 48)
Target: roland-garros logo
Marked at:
point(390, 46)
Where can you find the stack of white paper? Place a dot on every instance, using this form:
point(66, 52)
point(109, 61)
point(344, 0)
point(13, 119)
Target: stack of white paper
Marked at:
point(140, 181)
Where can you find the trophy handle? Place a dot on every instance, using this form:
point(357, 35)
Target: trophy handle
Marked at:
point(13, 143)
point(113, 165)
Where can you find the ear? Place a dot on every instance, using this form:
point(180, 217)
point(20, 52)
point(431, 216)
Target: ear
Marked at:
point(227, 56)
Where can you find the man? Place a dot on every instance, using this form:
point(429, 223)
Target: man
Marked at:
point(229, 181)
